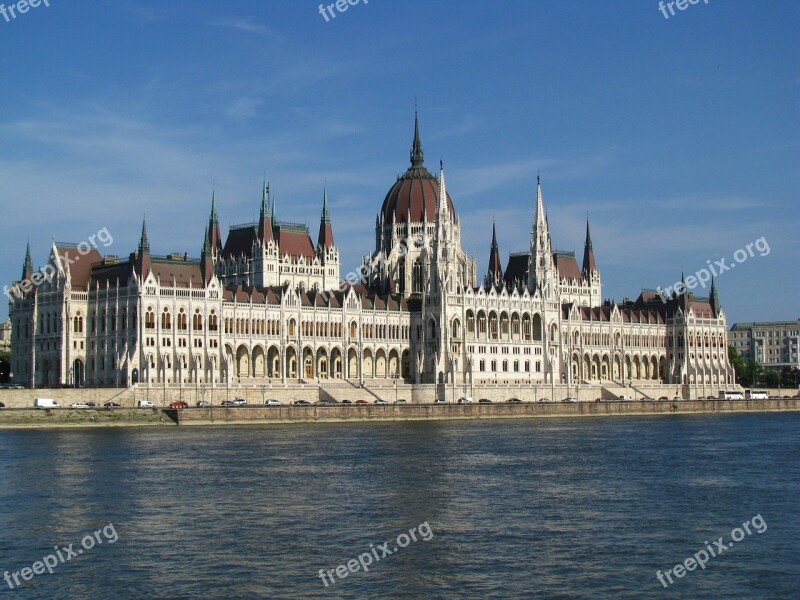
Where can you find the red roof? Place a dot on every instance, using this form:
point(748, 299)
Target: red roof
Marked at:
point(567, 266)
point(295, 241)
point(80, 265)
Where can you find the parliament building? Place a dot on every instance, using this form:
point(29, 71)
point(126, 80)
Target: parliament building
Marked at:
point(270, 304)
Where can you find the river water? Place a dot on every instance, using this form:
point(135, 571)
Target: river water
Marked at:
point(536, 508)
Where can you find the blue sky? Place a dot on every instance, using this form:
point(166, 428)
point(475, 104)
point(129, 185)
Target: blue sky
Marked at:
point(679, 136)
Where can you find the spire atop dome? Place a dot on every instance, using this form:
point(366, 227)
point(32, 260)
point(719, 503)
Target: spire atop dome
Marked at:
point(417, 157)
point(274, 211)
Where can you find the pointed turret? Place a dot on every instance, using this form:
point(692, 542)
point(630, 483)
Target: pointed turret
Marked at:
point(27, 265)
point(265, 220)
point(206, 261)
point(714, 298)
point(325, 238)
point(417, 157)
point(589, 265)
point(143, 255)
point(442, 211)
point(495, 272)
point(215, 239)
point(541, 270)
point(274, 211)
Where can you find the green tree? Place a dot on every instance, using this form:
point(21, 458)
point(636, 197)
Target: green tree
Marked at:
point(736, 360)
point(755, 373)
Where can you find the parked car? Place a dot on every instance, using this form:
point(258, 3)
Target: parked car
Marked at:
point(239, 402)
point(346, 401)
point(599, 399)
point(78, 405)
point(438, 401)
point(91, 404)
point(301, 403)
point(570, 399)
point(484, 401)
point(663, 399)
point(227, 403)
point(381, 401)
point(112, 405)
point(677, 399)
point(401, 401)
point(647, 399)
point(514, 401)
point(178, 404)
point(465, 400)
point(361, 402)
point(625, 398)
point(204, 404)
point(2, 405)
point(273, 402)
point(145, 404)
point(325, 403)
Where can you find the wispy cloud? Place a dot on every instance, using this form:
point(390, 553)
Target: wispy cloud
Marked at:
point(246, 24)
point(245, 108)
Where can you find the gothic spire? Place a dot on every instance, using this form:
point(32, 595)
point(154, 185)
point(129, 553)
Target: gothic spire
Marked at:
point(143, 256)
point(495, 269)
point(215, 239)
point(325, 238)
point(714, 298)
point(274, 211)
point(589, 265)
point(417, 157)
point(144, 243)
point(27, 265)
point(264, 220)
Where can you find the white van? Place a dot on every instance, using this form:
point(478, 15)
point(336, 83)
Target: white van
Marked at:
point(625, 399)
point(45, 403)
point(145, 404)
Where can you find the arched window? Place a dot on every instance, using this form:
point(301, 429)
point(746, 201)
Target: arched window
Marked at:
point(166, 319)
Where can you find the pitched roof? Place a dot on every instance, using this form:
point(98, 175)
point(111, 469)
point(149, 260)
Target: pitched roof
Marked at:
point(80, 264)
point(567, 266)
point(294, 240)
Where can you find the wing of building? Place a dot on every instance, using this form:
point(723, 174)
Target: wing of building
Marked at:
point(268, 305)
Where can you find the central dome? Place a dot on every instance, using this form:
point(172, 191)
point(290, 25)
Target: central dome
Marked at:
point(414, 195)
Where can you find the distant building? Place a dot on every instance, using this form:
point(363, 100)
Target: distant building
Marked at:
point(773, 344)
point(269, 304)
point(5, 336)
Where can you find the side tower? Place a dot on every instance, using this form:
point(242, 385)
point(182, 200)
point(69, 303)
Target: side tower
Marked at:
point(541, 270)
